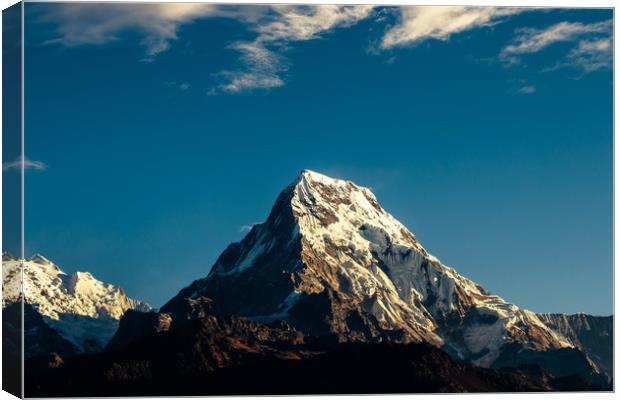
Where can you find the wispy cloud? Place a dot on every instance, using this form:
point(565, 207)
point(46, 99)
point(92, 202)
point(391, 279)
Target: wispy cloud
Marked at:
point(262, 59)
point(262, 64)
point(521, 86)
point(592, 50)
point(182, 86)
point(92, 23)
point(27, 164)
point(420, 23)
point(298, 23)
point(590, 55)
point(262, 69)
point(526, 89)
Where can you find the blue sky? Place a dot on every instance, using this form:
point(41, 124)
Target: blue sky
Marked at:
point(162, 130)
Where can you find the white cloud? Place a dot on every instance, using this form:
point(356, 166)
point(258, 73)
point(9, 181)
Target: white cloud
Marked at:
point(182, 86)
point(158, 23)
point(262, 61)
point(527, 89)
point(297, 23)
point(590, 54)
point(262, 69)
point(27, 164)
point(421, 23)
point(522, 86)
point(264, 66)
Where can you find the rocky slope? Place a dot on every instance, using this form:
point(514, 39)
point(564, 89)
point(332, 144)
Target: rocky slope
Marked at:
point(591, 334)
point(331, 261)
point(81, 309)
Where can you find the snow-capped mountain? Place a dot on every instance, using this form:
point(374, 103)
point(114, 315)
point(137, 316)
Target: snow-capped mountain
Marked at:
point(82, 309)
point(331, 261)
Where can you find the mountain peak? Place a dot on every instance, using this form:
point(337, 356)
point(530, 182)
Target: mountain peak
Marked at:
point(324, 197)
point(343, 211)
point(309, 177)
point(311, 181)
point(313, 176)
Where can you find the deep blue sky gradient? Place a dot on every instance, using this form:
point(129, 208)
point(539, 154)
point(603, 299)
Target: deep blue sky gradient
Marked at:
point(146, 183)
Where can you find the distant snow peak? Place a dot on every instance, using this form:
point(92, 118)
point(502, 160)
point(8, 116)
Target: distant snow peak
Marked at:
point(81, 308)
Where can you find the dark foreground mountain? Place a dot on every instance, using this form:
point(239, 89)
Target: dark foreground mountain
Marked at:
point(232, 355)
point(39, 338)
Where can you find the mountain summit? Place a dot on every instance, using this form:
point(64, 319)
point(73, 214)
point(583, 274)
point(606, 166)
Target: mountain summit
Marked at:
point(331, 261)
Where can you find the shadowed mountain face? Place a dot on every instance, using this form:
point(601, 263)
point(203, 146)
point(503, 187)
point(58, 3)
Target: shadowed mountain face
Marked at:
point(232, 355)
point(331, 294)
point(39, 338)
point(591, 334)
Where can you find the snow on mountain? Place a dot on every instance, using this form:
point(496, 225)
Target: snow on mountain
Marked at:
point(82, 309)
point(330, 260)
point(11, 280)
